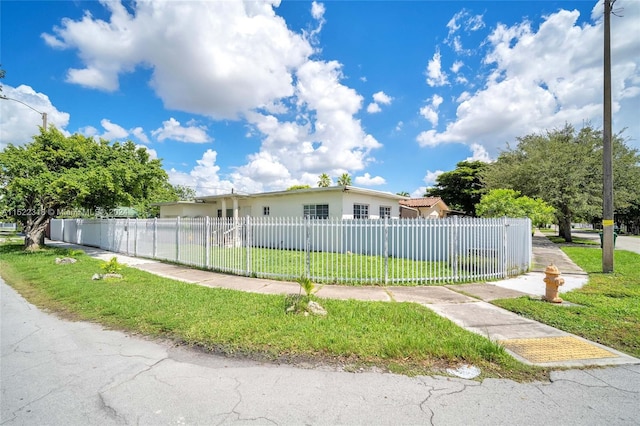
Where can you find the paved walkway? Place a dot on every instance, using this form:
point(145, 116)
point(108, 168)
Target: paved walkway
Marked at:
point(466, 305)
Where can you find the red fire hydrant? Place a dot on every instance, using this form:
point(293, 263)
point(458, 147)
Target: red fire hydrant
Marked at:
point(553, 280)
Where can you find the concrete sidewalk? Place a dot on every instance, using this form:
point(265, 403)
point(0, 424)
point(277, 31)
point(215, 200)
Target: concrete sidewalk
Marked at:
point(466, 305)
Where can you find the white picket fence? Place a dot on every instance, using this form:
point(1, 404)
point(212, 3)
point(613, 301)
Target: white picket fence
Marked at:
point(8, 227)
point(372, 251)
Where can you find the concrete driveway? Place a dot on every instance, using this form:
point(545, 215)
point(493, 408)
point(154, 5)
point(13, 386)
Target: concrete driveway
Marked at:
point(56, 372)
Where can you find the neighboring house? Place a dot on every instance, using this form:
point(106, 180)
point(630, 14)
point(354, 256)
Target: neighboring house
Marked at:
point(344, 202)
point(428, 207)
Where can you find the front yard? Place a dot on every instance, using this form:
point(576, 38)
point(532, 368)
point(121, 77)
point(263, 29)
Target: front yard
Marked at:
point(400, 337)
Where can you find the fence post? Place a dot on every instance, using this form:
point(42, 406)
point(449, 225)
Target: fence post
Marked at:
point(386, 250)
point(307, 247)
point(504, 246)
point(127, 229)
point(135, 239)
point(177, 238)
point(62, 230)
point(155, 237)
point(454, 248)
point(529, 251)
point(207, 242)
point(247, 238)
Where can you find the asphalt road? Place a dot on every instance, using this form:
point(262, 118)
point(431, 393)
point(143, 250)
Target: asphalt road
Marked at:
point(623, 242)
point(56, 372)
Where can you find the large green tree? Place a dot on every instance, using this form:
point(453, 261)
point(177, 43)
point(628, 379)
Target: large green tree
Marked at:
point(508, 202)
point(54, 173)
point(563, 167)
point(461, 188)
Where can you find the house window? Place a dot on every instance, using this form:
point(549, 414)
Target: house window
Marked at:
point(229, 212)
point(316, 211)
point(360, 211)
point(265, 211)
point(385, 212)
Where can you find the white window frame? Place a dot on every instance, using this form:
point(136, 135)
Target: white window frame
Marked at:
point(312, 211)
point(360, 211)
point(385, 211)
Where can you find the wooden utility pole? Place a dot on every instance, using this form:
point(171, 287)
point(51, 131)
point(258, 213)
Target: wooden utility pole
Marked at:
point(607, 151)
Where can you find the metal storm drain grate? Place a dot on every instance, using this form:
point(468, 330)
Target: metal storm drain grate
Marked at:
point(550, 349)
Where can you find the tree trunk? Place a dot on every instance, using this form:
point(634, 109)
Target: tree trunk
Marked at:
point(34, 232)
point(564, 227)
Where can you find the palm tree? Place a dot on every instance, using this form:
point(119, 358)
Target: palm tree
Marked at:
point(344, 179)
point(403, 194)
point(324, 181)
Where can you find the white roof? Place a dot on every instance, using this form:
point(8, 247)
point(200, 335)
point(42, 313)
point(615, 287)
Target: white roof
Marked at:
point(353, 189)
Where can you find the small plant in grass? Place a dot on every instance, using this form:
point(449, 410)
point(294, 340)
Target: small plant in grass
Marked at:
point(112, 266)
point(303, 304)
point(306, 285)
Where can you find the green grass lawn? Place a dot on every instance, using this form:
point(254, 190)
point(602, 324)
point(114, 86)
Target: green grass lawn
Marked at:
point(328, 267)
point(609, 311)
point(575, 240)
point(343, 268)
point(548, 230)
point(401, 337)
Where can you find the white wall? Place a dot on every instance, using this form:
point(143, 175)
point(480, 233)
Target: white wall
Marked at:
point(292, 205)
point(374, 203)
point(189, 210)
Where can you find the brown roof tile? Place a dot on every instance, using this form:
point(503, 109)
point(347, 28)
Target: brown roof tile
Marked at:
point(421, 202)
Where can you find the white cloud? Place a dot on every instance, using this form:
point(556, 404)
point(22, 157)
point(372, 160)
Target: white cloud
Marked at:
point(246, 64)
point(474, 23)
point(399, 126)
point(138, 132)
point(455, 68)
point(431, 177)
point(204, 177)
point(382, 98)
point(562, 85)
point(317, 10)
point(430, 114)
point(435, 76)
point(172, 130)
point(429, 180)
point(463, 97)
point(479, 154)
point(471, 23)
point(378, 98)
point(88, 131)
point(245, 56)
point(112, 130)
point(263, 171)
point(295, 151)
point(418, 192)
point(19, 122)
point(430, 111)
point(367, 180)
point(373, 108)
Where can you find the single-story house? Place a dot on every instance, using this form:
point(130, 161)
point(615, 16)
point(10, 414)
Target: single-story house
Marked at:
point(344, 202)
point(427, 207)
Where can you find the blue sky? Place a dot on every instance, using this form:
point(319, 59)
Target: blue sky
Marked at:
point(259, 96)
